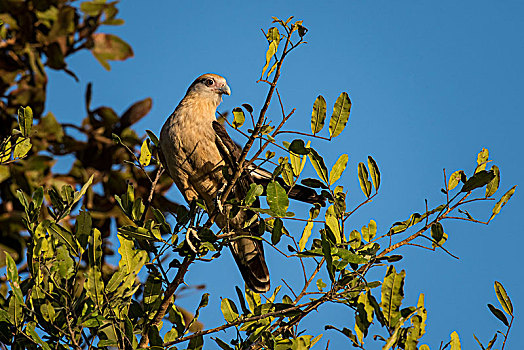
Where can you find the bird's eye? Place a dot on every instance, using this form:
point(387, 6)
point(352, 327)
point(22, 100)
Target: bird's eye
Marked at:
point(209, 82)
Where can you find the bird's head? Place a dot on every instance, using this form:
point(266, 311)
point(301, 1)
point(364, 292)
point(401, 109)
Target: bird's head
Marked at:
point(209, 86)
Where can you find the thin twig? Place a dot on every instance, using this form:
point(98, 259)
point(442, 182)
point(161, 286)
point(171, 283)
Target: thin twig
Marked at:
point(166, 302)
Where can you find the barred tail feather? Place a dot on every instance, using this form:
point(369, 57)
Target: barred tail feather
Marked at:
point(249, 256)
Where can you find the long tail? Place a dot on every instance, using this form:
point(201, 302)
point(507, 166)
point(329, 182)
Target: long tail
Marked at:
point(249, 256)
point(298, 192)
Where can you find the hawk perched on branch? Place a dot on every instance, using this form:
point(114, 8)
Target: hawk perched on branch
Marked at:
point(195, 149)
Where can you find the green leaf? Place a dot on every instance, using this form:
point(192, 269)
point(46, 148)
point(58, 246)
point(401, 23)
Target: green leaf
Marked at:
point(273, 35)
point(318, 116)
point(502, 202)
point(253, 299)
point(153, 137)
point(136, 232)
point(374, 172)
point(229, 310)
point(455, 341)
point(238, 117)
point(314, 183)
point(305, 235)
point(338, 168)
point(248, 107)
point(392, 295)
point(363, 178)
point(340, 115)
point(222, 344)
point(480, 179)
point(25, 120)
point(333, 223)
point(369, 232)
point(22, 147)
point(16, 315)
point(5, 151)
point(30, 329)
point(14, 279)
point(196, 343)
point(441, 242)
point(83, 227)
point(64, 264)
point(95, 286)
point(277, 231)
point(95, 248)
point(348, 256)
point(363, 316)
point(152, 292)
point(110, 47)
point(254, 191)
point(326, 250)
point(321, 285)
point(498, 314)
point(277, 199)
point(319, 165)
point(66, 237)
point(493, 185)
point(455, 178)
point(503, 298)
point(271, 51)
point(297, 146)
point(437, 231)
point(83, 190)
point(482, 160)
point(145, 153)
point(355, 240)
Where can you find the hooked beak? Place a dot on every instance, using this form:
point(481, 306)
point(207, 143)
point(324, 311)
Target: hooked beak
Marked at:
point(225, 90)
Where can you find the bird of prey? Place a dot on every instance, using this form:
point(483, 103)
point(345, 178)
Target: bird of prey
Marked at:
point(195, 149)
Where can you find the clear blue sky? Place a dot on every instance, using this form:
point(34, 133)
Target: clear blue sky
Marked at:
point(431, 84)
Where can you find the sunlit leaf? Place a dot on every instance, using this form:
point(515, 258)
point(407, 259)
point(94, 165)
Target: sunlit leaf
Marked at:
point(374, 172)
point(305, 235)
point(363, 178)
point(338, 168)
point(319, 165)
point(482, 159)
point(340, 115)
point(25, 120)
point(145, 153)
point(238, 117)
point(5, 151)
point(318, 116)
point(502, 202)
point(503, 298)
point(392, 295)
point(455, 178)
point(369, 232)
point(277, 199)
point(269, 54)
point(229, 310)
point(355, 240)
point(22, 147)
point(493, 185)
